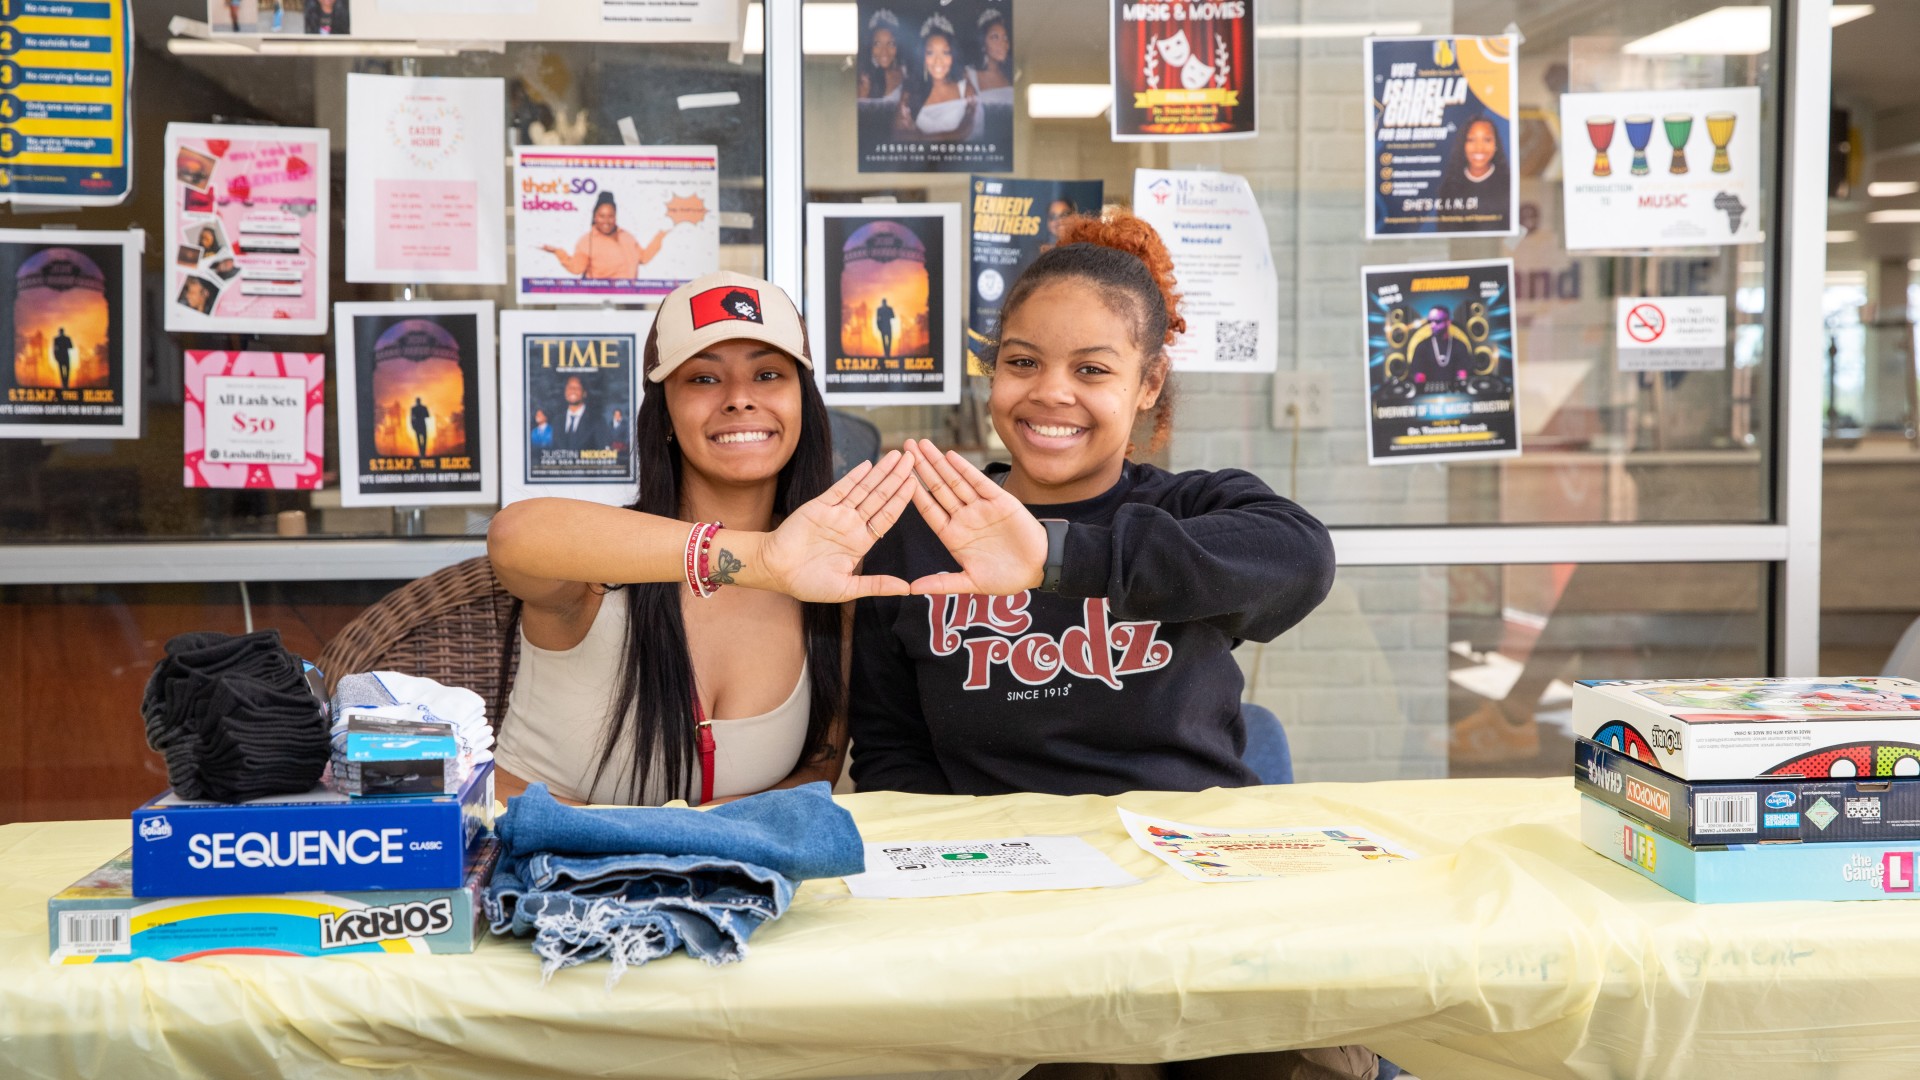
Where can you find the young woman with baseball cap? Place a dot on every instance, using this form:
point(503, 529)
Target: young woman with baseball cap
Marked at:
point(642, 676)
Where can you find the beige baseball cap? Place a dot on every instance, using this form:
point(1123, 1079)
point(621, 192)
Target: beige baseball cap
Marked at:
point(725, 306)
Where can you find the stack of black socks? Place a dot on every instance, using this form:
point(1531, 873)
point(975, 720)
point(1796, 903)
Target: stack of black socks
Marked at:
point(235, 718)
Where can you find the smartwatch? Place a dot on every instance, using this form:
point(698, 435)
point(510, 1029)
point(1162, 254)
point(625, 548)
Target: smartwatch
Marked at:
point(1056, 553)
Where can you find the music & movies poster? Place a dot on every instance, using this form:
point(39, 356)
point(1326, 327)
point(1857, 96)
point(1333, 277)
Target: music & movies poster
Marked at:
point(416, 394)
point(1441, 367)
point(1183, 71)
point(570, 386)
point(70, 304)
point(1440, 136)
point(934, 85)
point(1011, 223)
point(883, 302)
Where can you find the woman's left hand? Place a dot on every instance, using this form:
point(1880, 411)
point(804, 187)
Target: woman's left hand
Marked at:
point(1000, 547)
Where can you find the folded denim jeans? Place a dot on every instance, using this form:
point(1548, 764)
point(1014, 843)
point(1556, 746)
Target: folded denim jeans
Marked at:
point(635, 883)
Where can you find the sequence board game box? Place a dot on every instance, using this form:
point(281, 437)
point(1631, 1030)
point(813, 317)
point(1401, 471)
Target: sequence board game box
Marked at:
point(323, 841)
point(1740, 729)
point(1747, 873)
point(1774, 810)
point(99, 920)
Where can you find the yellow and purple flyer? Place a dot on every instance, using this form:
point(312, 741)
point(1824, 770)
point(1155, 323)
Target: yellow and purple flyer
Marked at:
point(1249, 853)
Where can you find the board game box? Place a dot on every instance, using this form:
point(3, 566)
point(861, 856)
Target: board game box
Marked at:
point(1745, 873)
point(1774, 810)
point(1740, 729)
point(98, 919)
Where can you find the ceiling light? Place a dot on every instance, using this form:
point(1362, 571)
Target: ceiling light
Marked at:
point(829, 29)
point(1338, 30)
point(1068, 101)
point(1728, 31)
point(1895, 217)
point(1888, 189)
point(1841, 236)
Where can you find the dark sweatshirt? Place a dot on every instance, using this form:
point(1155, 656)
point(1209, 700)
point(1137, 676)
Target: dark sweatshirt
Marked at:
point(1123, 680)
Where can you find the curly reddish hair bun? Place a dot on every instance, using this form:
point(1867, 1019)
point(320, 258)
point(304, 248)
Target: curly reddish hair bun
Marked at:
point(1126, 260)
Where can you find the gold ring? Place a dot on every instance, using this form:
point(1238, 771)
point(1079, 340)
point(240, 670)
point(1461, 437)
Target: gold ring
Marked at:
point(871, 530)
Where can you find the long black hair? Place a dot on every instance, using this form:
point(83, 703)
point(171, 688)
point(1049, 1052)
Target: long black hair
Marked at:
point(655, 698)
point(877, 76)
point(919, 85)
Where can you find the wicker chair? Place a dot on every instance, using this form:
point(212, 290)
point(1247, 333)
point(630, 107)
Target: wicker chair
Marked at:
point(449, 626)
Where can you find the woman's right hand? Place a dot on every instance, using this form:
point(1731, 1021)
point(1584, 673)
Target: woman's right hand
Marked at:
point(815, 554)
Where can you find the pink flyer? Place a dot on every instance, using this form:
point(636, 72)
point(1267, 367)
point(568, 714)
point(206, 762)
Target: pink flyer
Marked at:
point(255, 420)
point(246, 241)
point(426, 194)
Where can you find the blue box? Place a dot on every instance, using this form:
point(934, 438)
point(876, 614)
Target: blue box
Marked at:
point(371, 736)
point(98, 920)
point(322, 841)
point(1744, 873)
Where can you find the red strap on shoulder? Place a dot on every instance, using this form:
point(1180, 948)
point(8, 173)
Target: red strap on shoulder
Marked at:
point(705, 729)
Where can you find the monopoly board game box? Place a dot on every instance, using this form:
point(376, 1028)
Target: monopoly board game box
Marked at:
point(322, 841)
point(1774, 810)
point(1743, 873)
point(98, 919)
point(1740, 729)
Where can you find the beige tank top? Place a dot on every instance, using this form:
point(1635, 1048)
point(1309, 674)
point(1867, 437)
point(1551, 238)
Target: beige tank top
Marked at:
point(558, 712)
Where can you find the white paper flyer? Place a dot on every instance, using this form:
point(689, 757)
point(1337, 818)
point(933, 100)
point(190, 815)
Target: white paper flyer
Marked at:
point(1212, 226)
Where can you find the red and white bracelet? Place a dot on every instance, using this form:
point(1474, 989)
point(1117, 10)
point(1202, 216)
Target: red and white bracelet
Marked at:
point(699, 542)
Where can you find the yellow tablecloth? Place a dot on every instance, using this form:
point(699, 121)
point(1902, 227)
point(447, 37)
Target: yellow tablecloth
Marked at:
point(1507, 951)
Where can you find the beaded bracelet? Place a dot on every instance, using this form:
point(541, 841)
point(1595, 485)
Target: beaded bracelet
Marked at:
point(699, 542)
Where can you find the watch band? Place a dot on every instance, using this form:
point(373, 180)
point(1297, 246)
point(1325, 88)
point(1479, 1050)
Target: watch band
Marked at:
point(1056, 553)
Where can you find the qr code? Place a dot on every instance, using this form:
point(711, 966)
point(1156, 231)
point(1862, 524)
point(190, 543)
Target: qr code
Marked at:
point(983, 855)
point(1236, 341)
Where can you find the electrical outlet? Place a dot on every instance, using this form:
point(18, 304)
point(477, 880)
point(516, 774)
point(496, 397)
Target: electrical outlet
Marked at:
point(1306, 391)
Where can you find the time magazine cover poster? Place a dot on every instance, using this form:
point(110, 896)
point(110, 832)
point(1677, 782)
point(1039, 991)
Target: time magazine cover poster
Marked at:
point(883, 302)
point(1010, 223)
point(415, 383)
point(570, 385)
point(934, 89)
point(1440, 136)
point(1440, 362)
point(1183, 71)
point(70, 304)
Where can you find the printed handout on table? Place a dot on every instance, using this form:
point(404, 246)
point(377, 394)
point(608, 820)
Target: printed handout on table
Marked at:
point(908, 869)
point(1249, 853)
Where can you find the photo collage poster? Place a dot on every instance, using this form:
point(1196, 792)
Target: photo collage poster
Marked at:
point(1440, 136)
point(620, 224)
point(1440, 362)
point(1661, 168)
point(247, 224)
point(1010, 223)
point(70, 304)
point(570, 387)
point(425, 191)
point(282, 18)
point(255, 420)
point(883, 302)
point(416, 403)
point(1183, 71)
point(935, 86)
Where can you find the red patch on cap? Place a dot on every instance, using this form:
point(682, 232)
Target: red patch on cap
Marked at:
point(735, 302)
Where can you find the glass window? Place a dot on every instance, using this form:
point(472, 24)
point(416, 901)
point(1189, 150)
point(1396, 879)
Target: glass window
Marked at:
point(1600, 444)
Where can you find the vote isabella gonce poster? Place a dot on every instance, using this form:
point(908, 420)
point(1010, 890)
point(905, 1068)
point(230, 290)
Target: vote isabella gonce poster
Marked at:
point(416, 403)
point(1440, 147)
point(1183, 71)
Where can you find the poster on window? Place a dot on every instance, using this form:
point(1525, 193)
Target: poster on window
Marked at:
point(1440, 362)
point(255, 420)
point(883, 302)
point(1010, 224)
point(613, 224)
point(935, 86)
point(658, 21)
point(70, 303)
point(1183, 71)
point(247, 229)
point(66, 77)
point(570, 386)
point(1230, 295)
point(426, 193)
point(1440, 136)
point(283, 18)
point(1661, 168)
point(415, 391)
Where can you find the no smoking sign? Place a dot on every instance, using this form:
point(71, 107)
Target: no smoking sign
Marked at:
point(1645, 323)
point(1671, 333)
